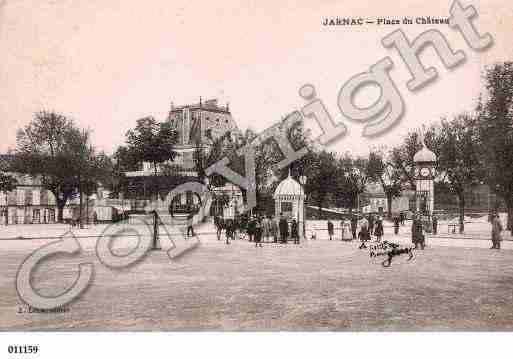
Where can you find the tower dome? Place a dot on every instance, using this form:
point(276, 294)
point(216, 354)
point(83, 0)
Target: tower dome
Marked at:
point(424, 155)
point(289, 187)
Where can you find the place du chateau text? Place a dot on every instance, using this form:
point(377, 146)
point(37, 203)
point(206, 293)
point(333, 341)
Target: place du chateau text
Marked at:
point(359, 21)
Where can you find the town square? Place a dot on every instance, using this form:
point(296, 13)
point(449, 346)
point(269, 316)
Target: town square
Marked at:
point(256, 179)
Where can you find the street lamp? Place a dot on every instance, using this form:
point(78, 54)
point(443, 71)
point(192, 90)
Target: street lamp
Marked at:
point(206, 181)
point(302, 181)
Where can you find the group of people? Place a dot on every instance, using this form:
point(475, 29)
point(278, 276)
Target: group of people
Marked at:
point(258, 229)
point(373, 226)
point(279, 229)
point(349, 229)
point(369, 227)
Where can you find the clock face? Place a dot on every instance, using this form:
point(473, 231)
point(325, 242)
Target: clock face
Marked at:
point(425, 172)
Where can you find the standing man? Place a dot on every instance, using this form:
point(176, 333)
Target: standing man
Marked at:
point(435, 224)
point(251, 228)
point(219, 226)
point(330, 229)
point(397, 221)
point(284, 229)
point(275, 229)
point(496, 231)
point(229, 229)
point(258, 232)
point(371, 223)
point(294, 233)
point(417, 232)
point(354, 226)
point(190, 229)
point(156, 223)
point(378, 230)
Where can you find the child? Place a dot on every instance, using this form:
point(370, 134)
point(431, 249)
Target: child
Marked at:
point(330, 229)
point(364, 234)
point(378, 231)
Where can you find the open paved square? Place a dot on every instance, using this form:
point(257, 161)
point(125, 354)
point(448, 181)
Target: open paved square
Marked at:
point(318, 285)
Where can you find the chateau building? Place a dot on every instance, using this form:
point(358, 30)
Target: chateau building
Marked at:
point(197, 125)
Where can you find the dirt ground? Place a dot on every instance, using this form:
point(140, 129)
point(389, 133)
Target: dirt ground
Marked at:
point(318, 285)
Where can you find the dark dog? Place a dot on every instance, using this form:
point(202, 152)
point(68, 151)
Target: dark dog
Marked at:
point(396, 251)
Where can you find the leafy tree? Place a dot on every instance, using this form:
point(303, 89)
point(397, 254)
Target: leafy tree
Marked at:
point(355, 175)
point(54, 149)
point(495, 122)
point(220, 147)
point(455, 142)
point(383, 171)
point(151, 142)
point(8, 183)
point(49, 147)
point(401, 158)
point(323, 181)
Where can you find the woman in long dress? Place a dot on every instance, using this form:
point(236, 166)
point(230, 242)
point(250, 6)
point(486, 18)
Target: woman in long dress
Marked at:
point(266, 228)
point(378, 230)
point(346, 230)
point(496, 232)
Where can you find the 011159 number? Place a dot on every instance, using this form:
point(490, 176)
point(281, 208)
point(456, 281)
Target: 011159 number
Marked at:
point(22, 349)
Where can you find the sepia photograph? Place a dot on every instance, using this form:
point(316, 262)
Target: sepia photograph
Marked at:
point(282, 169)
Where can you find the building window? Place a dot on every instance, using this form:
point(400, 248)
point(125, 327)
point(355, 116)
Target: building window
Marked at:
point(36, 197)
point(286, 207)
point(20, 197)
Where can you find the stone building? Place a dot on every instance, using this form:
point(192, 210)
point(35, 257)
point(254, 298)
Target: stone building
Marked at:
point(30, 203)
point(197, 125)
point(377, 200)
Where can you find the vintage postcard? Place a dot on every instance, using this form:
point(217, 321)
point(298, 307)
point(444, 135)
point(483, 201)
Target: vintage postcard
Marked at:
point(333, 166)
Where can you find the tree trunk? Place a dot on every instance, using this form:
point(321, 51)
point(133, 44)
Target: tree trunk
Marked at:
point(509, 221)
point(319, 205)
point(60, 210)
point(80, 204)
point(461, 204)
point(156, 185)
point(389, 205)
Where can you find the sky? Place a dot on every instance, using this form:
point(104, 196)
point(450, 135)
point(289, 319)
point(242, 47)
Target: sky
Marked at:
point(107, 63)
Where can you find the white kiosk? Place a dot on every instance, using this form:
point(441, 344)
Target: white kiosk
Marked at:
point(289, 199)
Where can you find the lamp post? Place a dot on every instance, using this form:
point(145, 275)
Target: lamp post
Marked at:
point(206, 180)
point(302, 181)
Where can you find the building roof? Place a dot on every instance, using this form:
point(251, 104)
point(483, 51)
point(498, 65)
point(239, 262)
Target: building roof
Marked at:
point(288, 187)
point(209, 105)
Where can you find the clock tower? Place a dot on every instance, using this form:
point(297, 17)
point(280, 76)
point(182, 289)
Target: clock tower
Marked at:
point(425, 163)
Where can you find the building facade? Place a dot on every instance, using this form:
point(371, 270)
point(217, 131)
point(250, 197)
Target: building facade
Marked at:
point(29, 203)
point(197, 125)
point(377, 200)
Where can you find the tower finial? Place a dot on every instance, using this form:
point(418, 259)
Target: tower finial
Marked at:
point(289, 171)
